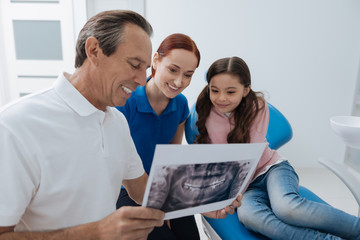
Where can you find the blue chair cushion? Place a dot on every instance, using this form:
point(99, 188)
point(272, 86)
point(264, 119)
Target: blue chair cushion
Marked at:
point(230, 228)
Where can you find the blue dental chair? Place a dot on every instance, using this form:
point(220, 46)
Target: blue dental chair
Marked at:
point(230, 228)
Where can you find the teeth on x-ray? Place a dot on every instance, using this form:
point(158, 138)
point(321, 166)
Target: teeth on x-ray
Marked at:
point(213, 185)
point(178, 187)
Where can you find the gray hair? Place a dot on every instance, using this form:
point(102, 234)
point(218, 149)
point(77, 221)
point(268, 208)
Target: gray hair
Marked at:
point(107, 27)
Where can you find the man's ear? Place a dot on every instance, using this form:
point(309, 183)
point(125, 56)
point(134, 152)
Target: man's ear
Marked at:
point(92, 49)
point(155, 60)
point(247, 90)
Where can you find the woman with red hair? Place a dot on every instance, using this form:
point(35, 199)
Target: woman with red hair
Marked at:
point(156, 114)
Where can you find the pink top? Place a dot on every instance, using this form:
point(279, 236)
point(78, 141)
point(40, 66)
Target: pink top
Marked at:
point(219, 125)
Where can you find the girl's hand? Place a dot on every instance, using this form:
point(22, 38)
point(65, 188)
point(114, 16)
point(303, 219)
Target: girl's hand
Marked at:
point(222, 213)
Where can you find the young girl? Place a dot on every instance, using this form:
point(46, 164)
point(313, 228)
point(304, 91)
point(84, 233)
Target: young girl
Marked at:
point(229, 111)
point(156, 114)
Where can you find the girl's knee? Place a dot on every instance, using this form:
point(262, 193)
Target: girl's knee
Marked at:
point(253, 214)
point(285, 214)
point(247, 218)
point(287, 210)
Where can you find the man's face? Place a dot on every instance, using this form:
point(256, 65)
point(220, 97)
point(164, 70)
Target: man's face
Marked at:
point(123, 71)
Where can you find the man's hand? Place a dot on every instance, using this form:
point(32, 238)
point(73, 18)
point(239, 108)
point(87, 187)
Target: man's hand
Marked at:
point(130, 223)
point(127, 223)
point(222, 213)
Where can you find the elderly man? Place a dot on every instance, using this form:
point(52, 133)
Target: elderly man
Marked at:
point(65, 151)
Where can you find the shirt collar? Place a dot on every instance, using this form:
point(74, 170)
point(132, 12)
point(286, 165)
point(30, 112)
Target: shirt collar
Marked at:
point(143, 104)
point(222, 115)
point(73, 97)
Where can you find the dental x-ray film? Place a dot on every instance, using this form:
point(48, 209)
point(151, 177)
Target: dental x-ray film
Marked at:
point(189, 179)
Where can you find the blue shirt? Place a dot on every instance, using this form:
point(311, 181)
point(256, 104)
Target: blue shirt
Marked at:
point(147, 128)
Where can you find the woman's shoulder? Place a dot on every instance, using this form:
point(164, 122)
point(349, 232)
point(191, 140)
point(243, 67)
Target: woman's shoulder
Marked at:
point(180, 100)
point(138, 95)
point(181, 97)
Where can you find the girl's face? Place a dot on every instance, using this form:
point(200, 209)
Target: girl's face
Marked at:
point(174, 71)
point(226, 92)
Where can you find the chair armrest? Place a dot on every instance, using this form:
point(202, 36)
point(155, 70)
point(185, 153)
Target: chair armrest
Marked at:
point(348, 179)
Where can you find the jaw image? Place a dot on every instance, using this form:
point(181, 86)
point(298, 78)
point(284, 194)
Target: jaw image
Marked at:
point(184, 186)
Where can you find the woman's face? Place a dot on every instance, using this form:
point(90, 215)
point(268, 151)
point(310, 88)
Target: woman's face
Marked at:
point(174, 71)
point(226, 92)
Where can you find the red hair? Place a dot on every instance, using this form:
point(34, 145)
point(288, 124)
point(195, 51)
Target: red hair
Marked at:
point(176, 41)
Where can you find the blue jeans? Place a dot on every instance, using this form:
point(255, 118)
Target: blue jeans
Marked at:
point(273, 207)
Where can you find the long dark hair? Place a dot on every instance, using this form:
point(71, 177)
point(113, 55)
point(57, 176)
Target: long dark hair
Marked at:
point(244, 113)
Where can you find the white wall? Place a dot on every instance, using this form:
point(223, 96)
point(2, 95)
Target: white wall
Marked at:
point(4, 88)
point(304, 54)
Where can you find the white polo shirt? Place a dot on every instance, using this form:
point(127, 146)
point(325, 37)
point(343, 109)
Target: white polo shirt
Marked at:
point(62, 160)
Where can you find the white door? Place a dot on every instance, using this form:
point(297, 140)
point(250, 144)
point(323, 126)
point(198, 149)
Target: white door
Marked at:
point(37, 40)
point(38, 43)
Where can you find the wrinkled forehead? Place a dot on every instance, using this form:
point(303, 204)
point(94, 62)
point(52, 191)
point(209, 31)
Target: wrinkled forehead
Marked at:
point(136, 43)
